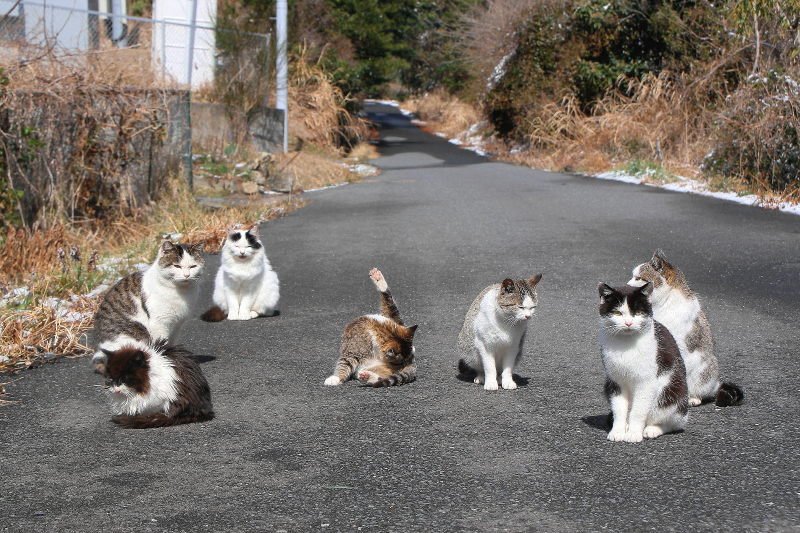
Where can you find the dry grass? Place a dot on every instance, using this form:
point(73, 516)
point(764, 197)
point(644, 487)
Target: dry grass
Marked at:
point(317, 113)
point(443, 112)
point(35, 329)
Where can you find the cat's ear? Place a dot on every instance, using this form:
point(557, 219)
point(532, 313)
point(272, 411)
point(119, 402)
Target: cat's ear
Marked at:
point(410, 331)
point(108, 353)
point(604, 290)
point(507, 285)
point(197, 248)
point(231, 229)
point(254, 230)
point(646, 289)
point(534, 281)
point(139, 357)
point(167, 247)
point(659, 260)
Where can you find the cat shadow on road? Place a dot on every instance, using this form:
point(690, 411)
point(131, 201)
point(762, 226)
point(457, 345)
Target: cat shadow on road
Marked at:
point(600, 422)
point(203, 358)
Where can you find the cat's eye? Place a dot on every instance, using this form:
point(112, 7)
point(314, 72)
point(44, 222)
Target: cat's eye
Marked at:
point(617, 313)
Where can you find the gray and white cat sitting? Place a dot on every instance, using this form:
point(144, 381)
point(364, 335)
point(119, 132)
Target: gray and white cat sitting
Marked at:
point(150, 306)
point(493, 333)
point(645, 376)
point(677, 307)
point(246, 286)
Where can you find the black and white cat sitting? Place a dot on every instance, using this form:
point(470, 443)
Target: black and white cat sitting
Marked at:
point(646, 377)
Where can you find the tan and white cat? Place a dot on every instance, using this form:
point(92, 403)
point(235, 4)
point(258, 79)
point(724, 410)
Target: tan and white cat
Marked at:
point(378, 349)
point(677, 307)
point(149, 307)
point(493, 333)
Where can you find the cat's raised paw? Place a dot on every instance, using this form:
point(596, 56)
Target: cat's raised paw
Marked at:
point(332, 381)
point(379, 280)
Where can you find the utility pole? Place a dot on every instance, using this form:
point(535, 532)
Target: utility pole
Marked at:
point(282, 67)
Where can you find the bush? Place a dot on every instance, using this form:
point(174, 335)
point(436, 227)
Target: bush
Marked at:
point(757, 138)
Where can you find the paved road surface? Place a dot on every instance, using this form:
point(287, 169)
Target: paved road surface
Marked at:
point(441, 455)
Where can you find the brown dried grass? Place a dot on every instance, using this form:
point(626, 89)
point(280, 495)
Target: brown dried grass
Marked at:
point(443, 112)
point(40, 333)
point(317, 109)
point(25, 251)
point(656, 118)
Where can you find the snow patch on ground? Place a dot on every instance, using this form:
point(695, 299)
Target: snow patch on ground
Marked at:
point(691, 186)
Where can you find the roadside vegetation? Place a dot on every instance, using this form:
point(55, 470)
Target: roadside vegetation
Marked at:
point(700, 90)
point(67, 237)
point(665, 90)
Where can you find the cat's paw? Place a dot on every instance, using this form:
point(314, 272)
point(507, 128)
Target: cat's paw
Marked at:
point(616, 435)
point(490, 385)
point(332, 381)
point(508, 384)
point(369, 377)
point(652, 432)
point(253, 314)
point(379, 280)
point(694, 402)
point(633, 436)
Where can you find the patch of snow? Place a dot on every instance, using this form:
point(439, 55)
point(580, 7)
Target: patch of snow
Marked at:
point(691, 186)
point(325, 188)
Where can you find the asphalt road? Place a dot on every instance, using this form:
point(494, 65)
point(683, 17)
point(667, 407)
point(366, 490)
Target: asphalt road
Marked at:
point(287, 454)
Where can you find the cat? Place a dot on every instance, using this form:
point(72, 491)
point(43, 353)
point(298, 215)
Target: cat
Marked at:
point(645, 376)
point(155, 386)
point(493, 333)
point(246, 286)
point(378, 349)
point(150, 306)
point(677, 307)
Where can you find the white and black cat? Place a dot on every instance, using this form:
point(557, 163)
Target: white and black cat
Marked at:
point(645, 376)
point(150, 306)
point(677, 307)
point(493, 333)
point(246, 286)
point(152, 387)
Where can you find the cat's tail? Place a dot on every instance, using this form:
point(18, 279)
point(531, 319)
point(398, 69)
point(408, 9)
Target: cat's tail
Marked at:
point(407, 375)
point(215, 314)
point(466, 369)
point(729, 394)
point(159, 420)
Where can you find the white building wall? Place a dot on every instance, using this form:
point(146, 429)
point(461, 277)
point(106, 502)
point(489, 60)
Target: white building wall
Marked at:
point(170, 41)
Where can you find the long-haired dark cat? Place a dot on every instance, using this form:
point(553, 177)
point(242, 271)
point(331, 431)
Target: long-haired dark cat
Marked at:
point(377, 349)
point(151, 387)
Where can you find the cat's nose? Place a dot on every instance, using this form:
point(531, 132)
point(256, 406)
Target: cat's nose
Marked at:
point(628, 323)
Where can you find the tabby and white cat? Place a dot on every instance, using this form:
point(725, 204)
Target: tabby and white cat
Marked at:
point(493, 333)
point(645, 376)
point(377, 349)
point(150, 306)
point(246, 286)
point(677, 307)
point(152, 387)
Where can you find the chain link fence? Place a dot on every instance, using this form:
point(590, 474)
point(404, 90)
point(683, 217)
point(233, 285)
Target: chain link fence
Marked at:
point(136, 127)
